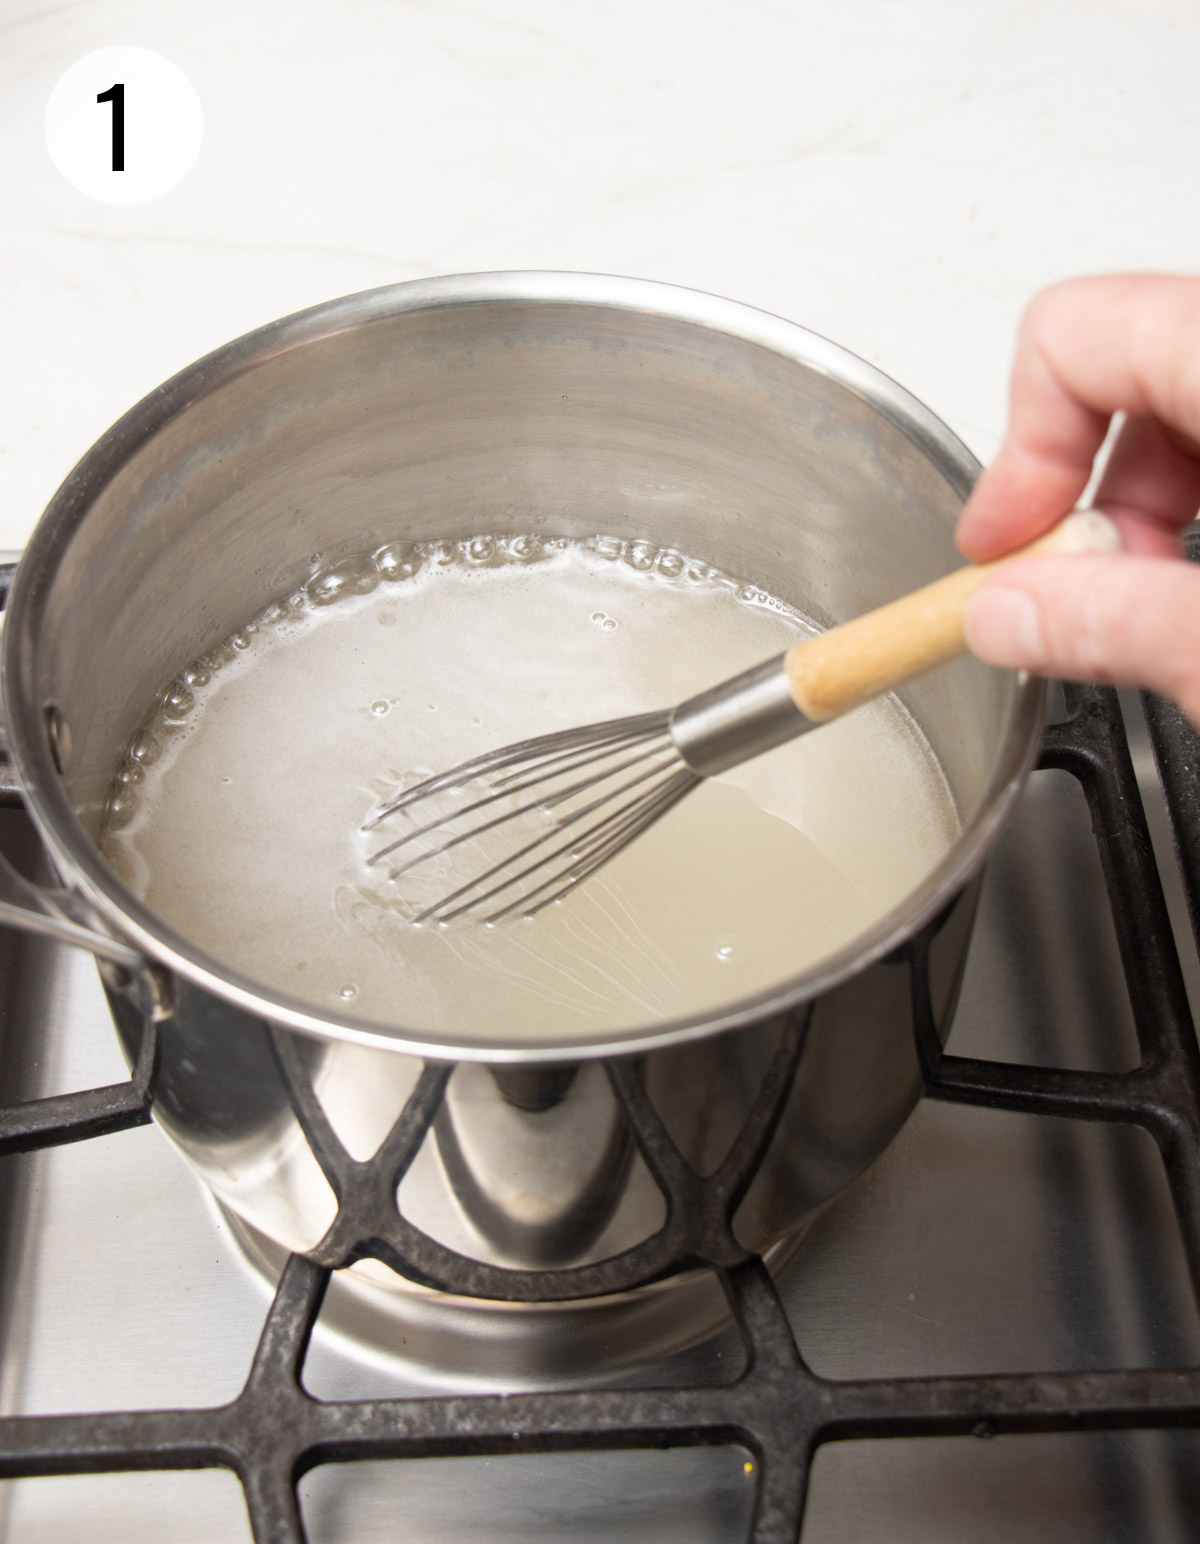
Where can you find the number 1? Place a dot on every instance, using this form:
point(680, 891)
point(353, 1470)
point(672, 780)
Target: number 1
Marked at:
point(116, 95)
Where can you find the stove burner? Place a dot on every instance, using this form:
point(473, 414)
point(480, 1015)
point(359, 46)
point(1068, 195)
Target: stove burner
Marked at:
point(777, 1409)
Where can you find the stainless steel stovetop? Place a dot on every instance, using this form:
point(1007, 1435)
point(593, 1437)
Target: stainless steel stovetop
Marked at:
point(982, 1242)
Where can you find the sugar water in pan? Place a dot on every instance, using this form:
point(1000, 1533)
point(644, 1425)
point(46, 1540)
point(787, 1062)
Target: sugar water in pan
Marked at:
point(237, 815)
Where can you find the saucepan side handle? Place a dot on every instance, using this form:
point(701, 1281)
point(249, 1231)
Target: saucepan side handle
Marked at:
point(30, 907)
point(10, 786)
point(27, 906)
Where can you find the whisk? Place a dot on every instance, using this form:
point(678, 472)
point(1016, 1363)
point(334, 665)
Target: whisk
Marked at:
point(511, 832)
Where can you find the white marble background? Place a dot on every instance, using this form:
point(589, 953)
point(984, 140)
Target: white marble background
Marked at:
point(897, 174)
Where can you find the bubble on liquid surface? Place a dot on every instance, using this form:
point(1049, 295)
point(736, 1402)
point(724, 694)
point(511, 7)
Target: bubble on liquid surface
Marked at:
point(120, 810)
point(397, 561)
point(177, 702)
point(221, 656)
point(610, 547)
point(379, 708)
point(348, 991)
point(724, 951)
point(525, 548)
point(352, 576)
point(604, 621)
point(145, 748)
point(278, 611)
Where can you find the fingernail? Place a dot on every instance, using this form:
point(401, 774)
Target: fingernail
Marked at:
point(1003, 627)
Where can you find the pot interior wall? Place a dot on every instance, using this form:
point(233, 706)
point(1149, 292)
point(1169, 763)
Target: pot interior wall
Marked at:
point(498, 417)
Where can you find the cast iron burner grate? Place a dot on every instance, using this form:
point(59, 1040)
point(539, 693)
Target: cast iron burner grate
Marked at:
point(274, 1432)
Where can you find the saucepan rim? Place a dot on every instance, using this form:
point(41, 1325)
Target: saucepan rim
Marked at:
point(78, 859)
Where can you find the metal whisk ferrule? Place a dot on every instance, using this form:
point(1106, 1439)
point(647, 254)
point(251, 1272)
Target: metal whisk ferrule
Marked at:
point(742, 717)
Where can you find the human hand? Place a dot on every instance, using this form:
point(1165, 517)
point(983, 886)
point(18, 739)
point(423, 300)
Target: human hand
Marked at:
point(1089, 348)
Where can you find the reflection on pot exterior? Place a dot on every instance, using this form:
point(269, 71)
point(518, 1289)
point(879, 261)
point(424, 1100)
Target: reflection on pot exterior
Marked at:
point(611, 1183)
point(539, 1186)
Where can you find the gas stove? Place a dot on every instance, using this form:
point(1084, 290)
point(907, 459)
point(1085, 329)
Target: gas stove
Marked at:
point(992, 1336)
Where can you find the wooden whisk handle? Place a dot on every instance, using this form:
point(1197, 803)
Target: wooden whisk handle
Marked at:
point(836, 671)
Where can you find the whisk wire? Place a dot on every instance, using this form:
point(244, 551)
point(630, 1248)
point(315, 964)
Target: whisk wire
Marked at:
point(681, 784)
point(601, 785)
point(643, 726)
point(576, 848)
point(546, 802)
point(581, 755)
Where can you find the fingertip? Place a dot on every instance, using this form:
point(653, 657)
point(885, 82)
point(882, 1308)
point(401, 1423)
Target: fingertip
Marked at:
point(983, 529)
point(1017, 499)
point(981, 541)
point(1004, 627)
point(1112, 617)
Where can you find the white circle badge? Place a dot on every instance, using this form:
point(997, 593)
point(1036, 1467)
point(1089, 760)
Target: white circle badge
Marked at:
point(124, 125)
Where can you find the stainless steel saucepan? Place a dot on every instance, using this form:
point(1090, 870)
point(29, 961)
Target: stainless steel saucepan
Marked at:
point(500, 403)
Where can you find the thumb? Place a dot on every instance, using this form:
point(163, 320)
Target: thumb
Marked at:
point(1130, 621)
